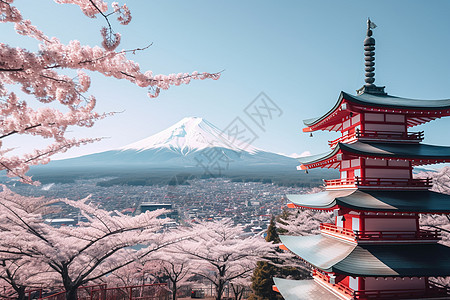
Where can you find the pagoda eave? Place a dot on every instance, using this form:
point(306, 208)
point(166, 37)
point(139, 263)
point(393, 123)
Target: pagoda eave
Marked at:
point(416, 111)
point(426, 202)
point(398, 104)
point(418, 154)
point(320, 288)
point(370, 260)
point(304, 290)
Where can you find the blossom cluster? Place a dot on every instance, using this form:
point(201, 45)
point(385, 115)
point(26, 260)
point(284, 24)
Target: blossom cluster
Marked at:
point(40, 75)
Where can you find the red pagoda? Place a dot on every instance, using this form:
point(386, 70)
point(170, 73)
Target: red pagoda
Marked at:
point(376, 248)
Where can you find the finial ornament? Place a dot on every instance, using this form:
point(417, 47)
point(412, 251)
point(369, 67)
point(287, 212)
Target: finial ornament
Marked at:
point(369, 58)
point(369, 54)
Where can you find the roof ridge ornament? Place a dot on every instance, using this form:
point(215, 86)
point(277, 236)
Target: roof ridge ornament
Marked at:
point(369, 57)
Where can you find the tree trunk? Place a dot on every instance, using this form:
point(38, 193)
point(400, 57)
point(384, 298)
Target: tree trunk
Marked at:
point(71, 294)
point(174, 291)
point(238, 291)
point(21, 293)
point(219, 289)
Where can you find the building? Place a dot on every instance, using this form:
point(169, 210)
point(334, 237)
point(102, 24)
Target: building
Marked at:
point(61, 222)
point(376, 248)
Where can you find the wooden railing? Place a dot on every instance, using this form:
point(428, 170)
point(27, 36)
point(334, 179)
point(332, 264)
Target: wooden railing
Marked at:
point(338, 286)
point(9, 294)
point(380, 182)
point(421, 234)
point(83, 292)
point(56, 296)
point(398, 235)
point(33, 294)
point(157, 291)
point(432, 290)
point(332, 228)
point(379, 135)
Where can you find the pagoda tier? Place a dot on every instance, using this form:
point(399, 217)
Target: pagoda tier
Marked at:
point(333, 255)
point(375, 201)
point(376, 165)
point(343, 270)
point(320, 289)
point(376, 109)
point(418, 154)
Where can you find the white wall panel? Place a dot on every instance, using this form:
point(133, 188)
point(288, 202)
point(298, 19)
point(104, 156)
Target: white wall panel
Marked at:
point(374, 117)
point(376, 162)
point(387, 173)
point(385, 127)
point(395, 118)
point(390, 224)
point(390, 284)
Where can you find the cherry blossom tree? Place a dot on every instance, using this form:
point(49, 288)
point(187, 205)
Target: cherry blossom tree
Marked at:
point(19, 274)
point(239, 286)
point(222, 252)
point(77, 255)
point(303, 222)
point(441, 179)
point(441, 184)
point(63, 99)
point(130, 275)
point(175, 265)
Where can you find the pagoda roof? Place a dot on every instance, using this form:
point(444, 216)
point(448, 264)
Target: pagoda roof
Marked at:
point(410, 151)
point(394, 260)
point(302, 290)
point(385, 103)
point(382, 201)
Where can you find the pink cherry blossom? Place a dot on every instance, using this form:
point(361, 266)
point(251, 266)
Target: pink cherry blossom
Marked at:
point(39, 74)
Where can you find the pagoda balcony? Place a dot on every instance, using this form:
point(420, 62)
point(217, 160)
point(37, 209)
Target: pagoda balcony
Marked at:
point(325, 280)
point(383, 236)
point(370, 135)
point(432, 290)
point(379, 183)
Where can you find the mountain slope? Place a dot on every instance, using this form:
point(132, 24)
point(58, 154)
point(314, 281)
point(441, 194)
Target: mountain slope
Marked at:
point(190, 143)
point(192, 146)
point(187, 136)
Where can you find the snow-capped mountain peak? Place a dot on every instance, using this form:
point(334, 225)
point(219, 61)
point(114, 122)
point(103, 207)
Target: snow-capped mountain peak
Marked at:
point(189, 135)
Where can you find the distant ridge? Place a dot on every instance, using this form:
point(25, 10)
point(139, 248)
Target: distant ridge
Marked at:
point(191, 146)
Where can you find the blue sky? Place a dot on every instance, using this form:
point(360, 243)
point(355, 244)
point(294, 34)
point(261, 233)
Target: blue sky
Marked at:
point(300, 53)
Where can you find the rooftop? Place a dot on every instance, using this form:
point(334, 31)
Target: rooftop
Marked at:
point(418, 153)
point(417, 111)
point(378, 201)
point(301, 290)
point(393, 260)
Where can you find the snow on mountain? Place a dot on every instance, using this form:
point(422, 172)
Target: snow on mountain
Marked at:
point(192, 143)
point(189, 135)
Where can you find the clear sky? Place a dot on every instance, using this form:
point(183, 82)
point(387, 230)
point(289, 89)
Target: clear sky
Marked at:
point(300, 53)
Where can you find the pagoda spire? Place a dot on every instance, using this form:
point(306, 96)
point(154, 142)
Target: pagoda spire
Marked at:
point(369, 55)
point(369, 58)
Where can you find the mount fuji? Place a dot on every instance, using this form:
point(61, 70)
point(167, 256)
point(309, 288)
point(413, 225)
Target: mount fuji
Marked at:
point(191, 144)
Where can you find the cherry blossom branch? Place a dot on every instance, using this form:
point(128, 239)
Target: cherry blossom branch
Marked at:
point(30, 228)
point(38, 74)
point(26, 128)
